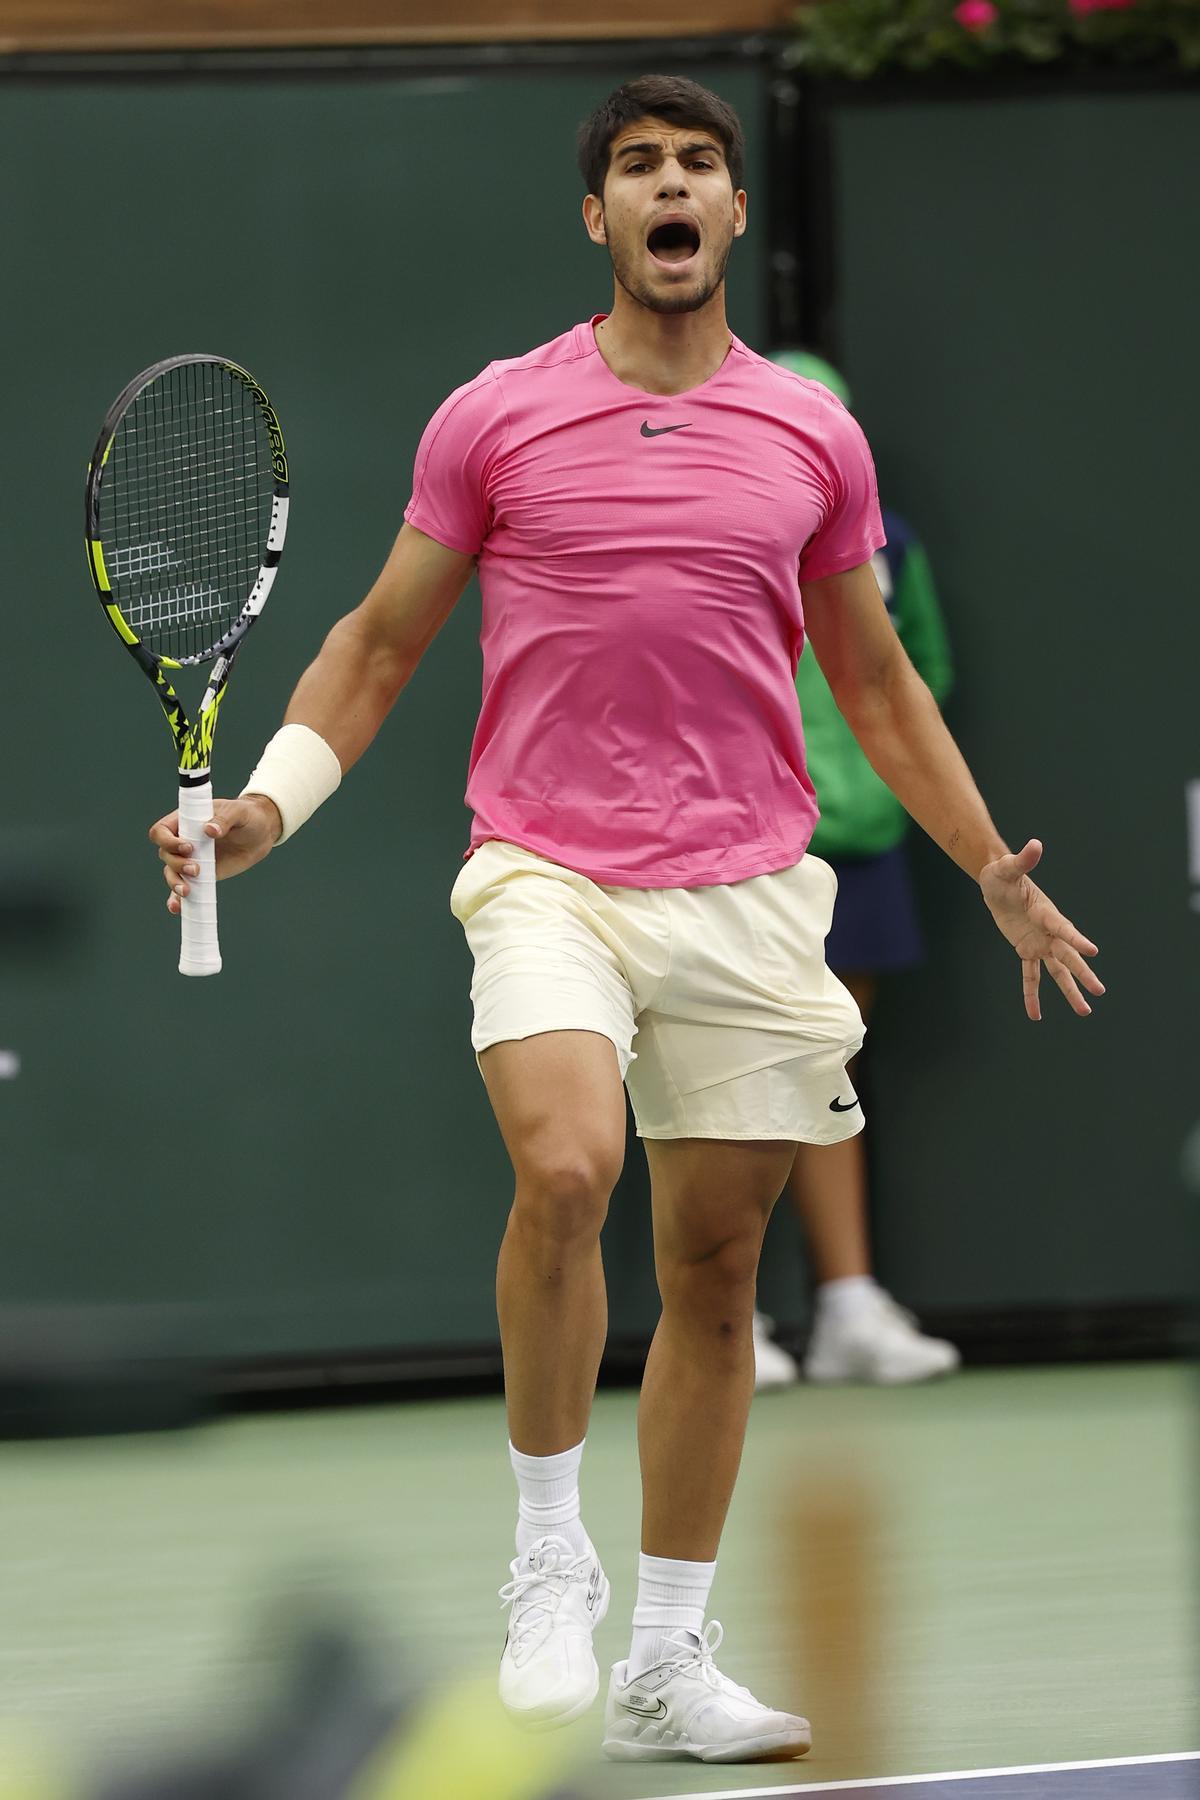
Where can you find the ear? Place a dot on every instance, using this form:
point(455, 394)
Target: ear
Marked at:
point(739, 212)
point(593, 218)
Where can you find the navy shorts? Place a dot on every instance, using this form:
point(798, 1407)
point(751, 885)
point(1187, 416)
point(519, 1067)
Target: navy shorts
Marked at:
point(875, 929)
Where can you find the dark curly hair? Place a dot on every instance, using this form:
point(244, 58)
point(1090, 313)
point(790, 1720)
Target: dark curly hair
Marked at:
point(672, 98)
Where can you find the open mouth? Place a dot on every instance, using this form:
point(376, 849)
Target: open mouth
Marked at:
point(674, 241)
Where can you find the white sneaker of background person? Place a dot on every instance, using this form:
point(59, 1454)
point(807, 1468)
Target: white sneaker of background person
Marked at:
point(684, 1708)
point(860, 1334)
point(773, 1366)
point(548, 1669)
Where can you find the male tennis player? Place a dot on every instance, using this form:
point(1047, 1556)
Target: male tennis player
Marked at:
point(658, 516)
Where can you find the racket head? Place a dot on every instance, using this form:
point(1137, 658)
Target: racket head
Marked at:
point(186, 508)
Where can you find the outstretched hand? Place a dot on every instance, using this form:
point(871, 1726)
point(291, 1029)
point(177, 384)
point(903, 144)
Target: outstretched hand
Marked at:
point(1038, 932)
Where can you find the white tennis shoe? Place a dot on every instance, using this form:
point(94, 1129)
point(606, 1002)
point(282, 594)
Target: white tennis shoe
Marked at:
point(773, 1366)
point(877, 1341)
point(548, 1671)
point(685, 1708)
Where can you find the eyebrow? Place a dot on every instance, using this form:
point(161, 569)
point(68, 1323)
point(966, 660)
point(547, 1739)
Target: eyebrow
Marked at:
point(656, 149)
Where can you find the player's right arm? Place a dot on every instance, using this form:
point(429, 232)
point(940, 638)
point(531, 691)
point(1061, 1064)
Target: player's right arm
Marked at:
point(344, 696)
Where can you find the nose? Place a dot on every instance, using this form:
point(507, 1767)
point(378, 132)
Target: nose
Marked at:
point(672, 181)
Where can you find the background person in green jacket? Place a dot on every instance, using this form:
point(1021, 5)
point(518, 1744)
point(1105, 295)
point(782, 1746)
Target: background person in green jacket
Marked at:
point(859, 1333)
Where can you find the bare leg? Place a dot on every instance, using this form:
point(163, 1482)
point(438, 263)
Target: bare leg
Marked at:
point(711, 1202)
point(828, 1187)
point(561, 1111)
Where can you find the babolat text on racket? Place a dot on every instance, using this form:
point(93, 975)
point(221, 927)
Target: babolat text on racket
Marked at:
point(187, 506)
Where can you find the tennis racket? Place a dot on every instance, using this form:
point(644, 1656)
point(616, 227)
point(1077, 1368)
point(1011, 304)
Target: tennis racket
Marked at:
point(187, 506)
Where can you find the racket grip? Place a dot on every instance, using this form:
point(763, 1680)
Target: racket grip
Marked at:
point(199, 951)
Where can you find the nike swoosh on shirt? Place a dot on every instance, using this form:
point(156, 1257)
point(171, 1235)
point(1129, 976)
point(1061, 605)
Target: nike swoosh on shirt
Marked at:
point(649, 430)
point(838, 1106)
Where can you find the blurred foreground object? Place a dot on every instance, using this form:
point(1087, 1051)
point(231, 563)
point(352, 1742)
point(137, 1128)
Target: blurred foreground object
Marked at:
point(462, 1746)
point(832, 1561)
point(29, 1772)
point(328, 1720)
point(335, 1732)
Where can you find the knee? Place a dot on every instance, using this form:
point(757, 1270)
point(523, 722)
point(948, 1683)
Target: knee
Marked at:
point(719, 1275)
point(562, 1194)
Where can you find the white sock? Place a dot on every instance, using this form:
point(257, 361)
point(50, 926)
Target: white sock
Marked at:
point(843, 1298)
point(549, 1498)
point(671, 1597)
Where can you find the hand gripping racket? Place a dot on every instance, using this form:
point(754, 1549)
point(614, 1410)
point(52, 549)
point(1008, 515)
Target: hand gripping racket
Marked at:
point(187, 505)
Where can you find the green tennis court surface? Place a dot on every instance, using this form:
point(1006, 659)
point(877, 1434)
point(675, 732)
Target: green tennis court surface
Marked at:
point(1021, 1594)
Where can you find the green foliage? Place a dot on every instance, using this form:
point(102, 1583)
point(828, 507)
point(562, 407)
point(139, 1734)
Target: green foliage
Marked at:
point(861, 38)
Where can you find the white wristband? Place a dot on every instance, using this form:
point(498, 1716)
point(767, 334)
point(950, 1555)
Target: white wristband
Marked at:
point(297, 770)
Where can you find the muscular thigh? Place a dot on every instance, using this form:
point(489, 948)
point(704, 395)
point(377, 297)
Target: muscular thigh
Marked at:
point(708, 1193)
point(560, 1105)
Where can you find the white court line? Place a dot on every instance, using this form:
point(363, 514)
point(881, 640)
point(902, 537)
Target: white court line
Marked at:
point(887, 1781)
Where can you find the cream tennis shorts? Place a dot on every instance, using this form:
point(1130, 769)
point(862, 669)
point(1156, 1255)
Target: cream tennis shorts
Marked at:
point(724, 1018)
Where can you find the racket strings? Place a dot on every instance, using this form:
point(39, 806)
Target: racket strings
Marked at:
point(185, 508)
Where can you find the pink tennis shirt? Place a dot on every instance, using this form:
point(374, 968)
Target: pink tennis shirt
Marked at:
point(639, 560)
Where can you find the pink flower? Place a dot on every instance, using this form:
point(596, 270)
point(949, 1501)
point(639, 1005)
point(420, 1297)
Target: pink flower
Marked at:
point(977, 15)
point(1090, 6)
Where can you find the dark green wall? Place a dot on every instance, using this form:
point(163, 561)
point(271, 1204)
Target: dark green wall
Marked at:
point(1015, 304)
point(298, 1154)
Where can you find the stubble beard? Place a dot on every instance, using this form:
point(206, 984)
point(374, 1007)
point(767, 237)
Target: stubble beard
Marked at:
point(654, 301)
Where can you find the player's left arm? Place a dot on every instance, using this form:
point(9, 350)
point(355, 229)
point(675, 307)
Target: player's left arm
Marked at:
point(896, 721)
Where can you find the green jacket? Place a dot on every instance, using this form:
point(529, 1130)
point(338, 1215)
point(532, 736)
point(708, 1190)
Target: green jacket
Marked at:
point(859, 815)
